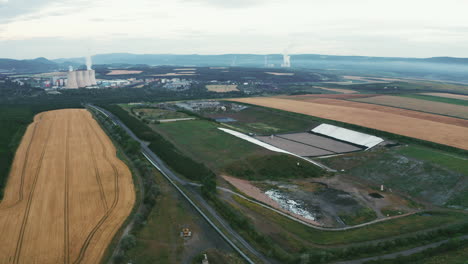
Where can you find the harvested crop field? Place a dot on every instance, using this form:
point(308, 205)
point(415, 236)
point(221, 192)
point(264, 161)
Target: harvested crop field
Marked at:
point(387, 109)
point(222, 88)
point(345, 91)
point(418, 105)
point(449, 95)
point(123, 72)
point(399, 121)
point(280, 73)
point(331, 96)
point(67, 194)
point(174, 74)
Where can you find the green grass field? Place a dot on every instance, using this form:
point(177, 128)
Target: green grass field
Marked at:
point(159, 240)
point(158, 114)
point(364, 215)
point(224, 153)
point(459, 256)
point(391, 228)
point(432, 179)
point(265, 121)
point(449, 161)
point(437, 99)
point(203, 141)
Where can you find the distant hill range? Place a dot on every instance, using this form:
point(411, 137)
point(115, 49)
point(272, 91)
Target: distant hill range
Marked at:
point(33, 66)
point(440, 68)
point(298, 60)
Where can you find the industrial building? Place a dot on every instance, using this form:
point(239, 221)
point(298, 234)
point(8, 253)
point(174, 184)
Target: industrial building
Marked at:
point(83, 78)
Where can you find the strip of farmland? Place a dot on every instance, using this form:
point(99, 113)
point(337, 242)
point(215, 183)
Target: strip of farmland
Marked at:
point(429, 128)
point(387, 109)
point(449, 95)
point(418, 105)
point(67, 193)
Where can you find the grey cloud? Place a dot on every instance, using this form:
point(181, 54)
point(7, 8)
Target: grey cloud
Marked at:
point(15, 8)
point(230, 3)
point(11, 9)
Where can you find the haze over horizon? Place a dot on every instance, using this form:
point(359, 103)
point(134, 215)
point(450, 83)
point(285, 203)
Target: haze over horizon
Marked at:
point(58, 29)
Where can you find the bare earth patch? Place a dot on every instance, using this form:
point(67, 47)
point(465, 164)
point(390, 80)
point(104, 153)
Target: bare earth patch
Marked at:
point(123, 72)
point(221, 88)
point(250, 190)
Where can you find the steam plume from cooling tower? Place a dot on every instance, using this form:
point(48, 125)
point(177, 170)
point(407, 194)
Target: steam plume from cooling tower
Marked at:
point(286, 59)
point(89, 62)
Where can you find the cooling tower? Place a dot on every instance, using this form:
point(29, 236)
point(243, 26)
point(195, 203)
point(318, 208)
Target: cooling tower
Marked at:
point(79, 79)
point(71, 82)
point(86, 81)
point(92, 77)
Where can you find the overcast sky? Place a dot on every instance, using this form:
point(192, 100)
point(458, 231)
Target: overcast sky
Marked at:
point(393, 28)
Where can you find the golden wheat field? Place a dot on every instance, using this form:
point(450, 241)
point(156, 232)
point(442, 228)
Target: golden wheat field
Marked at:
point(67, 193)
point(398, 121)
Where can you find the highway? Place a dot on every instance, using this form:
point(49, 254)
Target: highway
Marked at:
point(232, 236)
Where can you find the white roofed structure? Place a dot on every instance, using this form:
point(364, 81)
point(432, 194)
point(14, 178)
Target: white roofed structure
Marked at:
point(347, 135)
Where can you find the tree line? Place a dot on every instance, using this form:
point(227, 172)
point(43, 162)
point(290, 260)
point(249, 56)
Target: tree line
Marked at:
point(179, 162)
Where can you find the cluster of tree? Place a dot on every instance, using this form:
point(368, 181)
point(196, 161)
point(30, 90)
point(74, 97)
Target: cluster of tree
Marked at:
point(179, 162)
point(9, 89)
point(149, 186)
point(14, 94)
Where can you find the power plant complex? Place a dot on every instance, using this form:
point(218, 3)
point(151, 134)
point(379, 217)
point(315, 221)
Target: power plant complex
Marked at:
point(84, 78)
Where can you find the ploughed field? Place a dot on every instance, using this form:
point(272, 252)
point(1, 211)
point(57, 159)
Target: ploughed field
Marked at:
point(440, 129)
point(67, 193)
